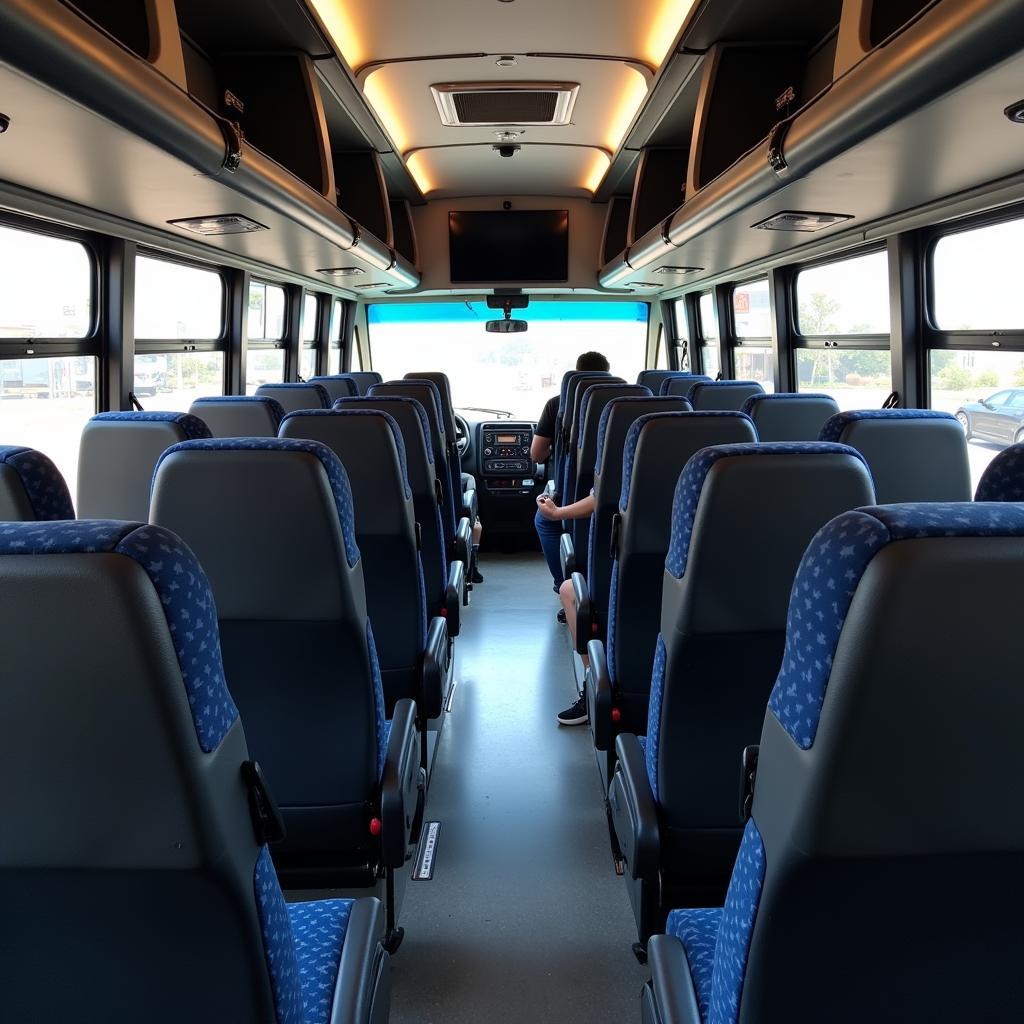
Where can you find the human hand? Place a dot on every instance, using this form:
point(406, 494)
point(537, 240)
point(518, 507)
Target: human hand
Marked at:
point(548, 508)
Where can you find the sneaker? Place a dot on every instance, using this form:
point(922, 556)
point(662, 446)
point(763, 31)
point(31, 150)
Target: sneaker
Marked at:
point(575, 715)
point(561, 616)
point(478, 576)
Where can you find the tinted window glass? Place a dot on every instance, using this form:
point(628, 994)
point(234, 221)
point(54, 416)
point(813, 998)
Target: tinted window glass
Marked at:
point(755, 363)
point(855, 378)
point(266, 312)
point(309, 310)
point(849, 297)
point(708, 317)
point(176, 301)
point(265, 366)
point(682, 325)
point(307, 363)
point(176, 380)
point(752, 311)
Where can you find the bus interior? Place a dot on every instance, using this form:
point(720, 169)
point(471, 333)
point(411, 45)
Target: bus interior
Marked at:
point(496, 498)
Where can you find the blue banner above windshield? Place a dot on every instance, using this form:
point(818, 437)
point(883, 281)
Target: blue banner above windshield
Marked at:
point(537, 311)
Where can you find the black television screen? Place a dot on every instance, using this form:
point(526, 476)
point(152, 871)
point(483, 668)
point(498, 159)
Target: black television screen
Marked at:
point(498, 246)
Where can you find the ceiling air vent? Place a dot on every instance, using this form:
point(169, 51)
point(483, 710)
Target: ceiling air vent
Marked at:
point(479, 104)
point(793, 220)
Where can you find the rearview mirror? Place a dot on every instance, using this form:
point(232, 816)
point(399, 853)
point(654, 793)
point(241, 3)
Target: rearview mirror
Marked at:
point(507, 326)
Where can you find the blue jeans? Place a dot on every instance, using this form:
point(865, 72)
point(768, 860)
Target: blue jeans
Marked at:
point(550, 533)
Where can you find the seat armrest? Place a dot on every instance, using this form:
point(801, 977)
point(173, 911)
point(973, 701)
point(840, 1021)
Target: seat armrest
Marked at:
point(454, 593)
point(469, 505)
point(567, 553)
point(633, 810)
point(584, 613)
point(671, 982)
point(435, 668)
point(600, 702)
point(364, 970)
point(462, 546)
point(402, 785)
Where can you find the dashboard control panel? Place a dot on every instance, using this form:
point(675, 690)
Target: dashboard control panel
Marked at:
point(505, 461)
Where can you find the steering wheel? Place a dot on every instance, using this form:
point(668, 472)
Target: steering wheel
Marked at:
point(461, 435)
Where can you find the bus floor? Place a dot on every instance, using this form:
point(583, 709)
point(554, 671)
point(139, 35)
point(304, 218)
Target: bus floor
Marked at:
point(524, 919)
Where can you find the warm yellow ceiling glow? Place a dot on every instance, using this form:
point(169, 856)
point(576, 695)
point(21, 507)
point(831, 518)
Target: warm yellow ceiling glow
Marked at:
point(416, 164)
point(598, 169)
point(665, 27)
point(629, 103)
point(386, 108)
point(342, 30)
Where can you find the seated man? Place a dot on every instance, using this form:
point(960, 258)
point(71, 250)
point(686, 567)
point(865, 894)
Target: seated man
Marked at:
point(549, 530)
point(551, 512)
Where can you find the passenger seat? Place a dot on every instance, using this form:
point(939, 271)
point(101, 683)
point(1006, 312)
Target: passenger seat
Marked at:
point(31, 487)
point(338, 385)
point(654, 379)
point(239, 415)
point(681, 384)
point(913, 454)
point(790, 417)
point(720, 395)
point(118, 454)
point(295, 397)
point(882, 801)
point(1003, 479)
point(365, 379)
point(136, 822)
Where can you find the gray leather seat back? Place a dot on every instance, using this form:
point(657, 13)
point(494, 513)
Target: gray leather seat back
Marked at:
point(419, 460)
point(118, 453)
point(914, 454)
point(742, 517)
point(239, 415)
point(790, 417)
point(126, 823)
point(31, 487)
point(718, 395)
point(682, 384)
point(365, 379)
point(444, 390)
point(338, 385)
point(273, 524)
point(618, 416)
point(657, 448)
point(886, 768)
point(370, 447)
point(653, 379)
point(295, 397)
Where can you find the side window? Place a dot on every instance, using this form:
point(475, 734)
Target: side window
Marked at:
point(661, 352)
point(265, 359)
point(998, 399)
point(682, 334)
point(307, 362)
point(334, 350)
point(842, 320)
point(753, 354)
point(710, 352)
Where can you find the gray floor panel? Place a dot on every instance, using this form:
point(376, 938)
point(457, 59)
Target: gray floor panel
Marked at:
point(525, 919)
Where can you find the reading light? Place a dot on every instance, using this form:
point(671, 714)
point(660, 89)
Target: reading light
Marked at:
point(598, 169)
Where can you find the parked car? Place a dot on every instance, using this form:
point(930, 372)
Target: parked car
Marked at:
point(997, 418)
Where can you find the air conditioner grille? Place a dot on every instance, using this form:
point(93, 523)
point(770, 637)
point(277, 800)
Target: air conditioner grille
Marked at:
point(479, 104)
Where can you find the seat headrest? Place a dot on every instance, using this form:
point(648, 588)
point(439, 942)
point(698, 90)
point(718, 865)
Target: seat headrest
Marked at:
point(191, 428)
point(392, 404)
point(682, 384)
point(723, 394)
point(691, 431)
point(1003, 480)
point(914, 454)
point(295, 396)
point(353, 422)
point(182, 589)
point(828, 579)
point(337, 385)
point(336, 475)
point(239, 415)
point(628, 407)
point(653, 379)
point(423, 391)
point(790, 417)
point(31, 487)
point(365, 379)
point(444, 392)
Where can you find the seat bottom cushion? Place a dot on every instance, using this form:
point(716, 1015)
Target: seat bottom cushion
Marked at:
point(318, 928)
point(697, 930)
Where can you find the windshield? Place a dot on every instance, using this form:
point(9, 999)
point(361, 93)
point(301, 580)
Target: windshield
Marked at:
point(513, 373)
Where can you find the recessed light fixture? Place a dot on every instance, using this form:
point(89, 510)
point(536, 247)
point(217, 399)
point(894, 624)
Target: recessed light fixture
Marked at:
point(507, 61)
point(506, 135)
point(677, 270)
point(1015, 112)
point(342, 271)
point(226, 224)
point(796, 220)
point(379, 284)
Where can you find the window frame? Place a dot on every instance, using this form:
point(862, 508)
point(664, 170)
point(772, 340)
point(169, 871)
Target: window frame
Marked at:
point(281, 342)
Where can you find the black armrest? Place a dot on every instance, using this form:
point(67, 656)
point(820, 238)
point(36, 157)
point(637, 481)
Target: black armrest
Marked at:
point(633, 810)
point(453, 596)
point(599, 697)
point(584, 613)
point(567, 553)
point(364, 971)
point(469, 505)
point(435, 668)
point(462, 547)
point(671, 981)
point(402, 785)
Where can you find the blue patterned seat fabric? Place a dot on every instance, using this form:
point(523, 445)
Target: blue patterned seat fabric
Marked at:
point(192, 427)
point(691, 483)
point(45, 488)
point(653, 738)
point(302, 944)
point(828, 576)
point(834, 427)
point(717, 942)
point(1003, 480)
point(390, 420)
point(336, 474)
point(273, 406)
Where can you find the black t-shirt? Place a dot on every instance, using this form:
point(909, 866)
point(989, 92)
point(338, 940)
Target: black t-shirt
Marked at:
point(546, 423)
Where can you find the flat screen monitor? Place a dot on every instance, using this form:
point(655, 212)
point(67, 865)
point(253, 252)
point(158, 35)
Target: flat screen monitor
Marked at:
point(505, 246)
